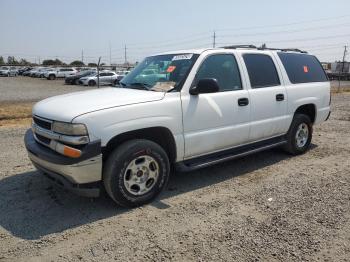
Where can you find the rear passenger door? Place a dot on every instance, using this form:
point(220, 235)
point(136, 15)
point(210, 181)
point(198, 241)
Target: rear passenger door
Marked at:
point(268, 117)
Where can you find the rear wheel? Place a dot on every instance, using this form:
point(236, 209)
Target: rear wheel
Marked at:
point(136, 172)
point(52, 77)
point(299, 135)
point(91, 83)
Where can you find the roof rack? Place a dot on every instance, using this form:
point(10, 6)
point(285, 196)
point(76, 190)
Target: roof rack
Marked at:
point(240, 46)
point(264, 48)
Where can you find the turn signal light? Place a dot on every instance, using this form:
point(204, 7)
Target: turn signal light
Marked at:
point(67, 150)
point(71, 152)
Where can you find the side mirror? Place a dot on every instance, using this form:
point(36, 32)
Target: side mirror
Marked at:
point(206, 85)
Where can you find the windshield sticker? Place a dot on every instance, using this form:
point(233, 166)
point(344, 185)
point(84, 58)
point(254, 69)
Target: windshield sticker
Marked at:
point(182, 57)
point(171, 69)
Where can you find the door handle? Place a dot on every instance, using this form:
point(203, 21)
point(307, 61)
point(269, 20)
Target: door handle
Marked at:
point(279, 97)
point(243, 101)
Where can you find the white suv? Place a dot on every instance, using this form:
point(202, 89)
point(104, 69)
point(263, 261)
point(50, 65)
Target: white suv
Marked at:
point(196, 108)
point(60, 73)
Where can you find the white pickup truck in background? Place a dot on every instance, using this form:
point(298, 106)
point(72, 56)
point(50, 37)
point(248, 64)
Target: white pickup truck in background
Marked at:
point(187, 109)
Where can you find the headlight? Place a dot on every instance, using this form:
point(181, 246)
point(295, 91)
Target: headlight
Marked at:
point(69, 129)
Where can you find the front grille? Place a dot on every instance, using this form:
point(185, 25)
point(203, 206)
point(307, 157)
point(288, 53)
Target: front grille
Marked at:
point(42, 123)
point(43, 139)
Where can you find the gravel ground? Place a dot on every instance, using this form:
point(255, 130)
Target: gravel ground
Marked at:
point(268, 206)
point(33, 89)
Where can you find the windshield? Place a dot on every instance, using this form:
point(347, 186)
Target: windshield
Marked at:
point(160, 73)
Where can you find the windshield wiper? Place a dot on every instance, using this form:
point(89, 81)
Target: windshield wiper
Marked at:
point(139, 85)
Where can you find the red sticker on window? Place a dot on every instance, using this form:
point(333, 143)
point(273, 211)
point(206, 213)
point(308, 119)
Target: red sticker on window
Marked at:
point(306, 69)
point(171, 69)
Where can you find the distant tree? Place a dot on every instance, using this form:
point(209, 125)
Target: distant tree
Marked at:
point(77, 63)
point(92, 64)
point(2, 60)
point(56, 62)
point(24, 62)
point(11, 60)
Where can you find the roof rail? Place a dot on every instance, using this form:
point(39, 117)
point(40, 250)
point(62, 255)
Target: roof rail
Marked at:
point(283, 49)
point(264, 48)
point(240, 46)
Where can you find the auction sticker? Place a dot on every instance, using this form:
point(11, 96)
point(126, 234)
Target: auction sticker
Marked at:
point(182, 57)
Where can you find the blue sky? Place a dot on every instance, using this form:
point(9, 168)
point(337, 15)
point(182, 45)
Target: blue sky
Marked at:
point(36, 29)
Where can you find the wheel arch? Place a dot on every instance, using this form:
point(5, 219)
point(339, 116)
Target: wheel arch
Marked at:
point(307, 109)
point(160, 135)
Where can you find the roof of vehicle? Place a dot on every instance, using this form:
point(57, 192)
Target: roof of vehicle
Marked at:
point(233, 47)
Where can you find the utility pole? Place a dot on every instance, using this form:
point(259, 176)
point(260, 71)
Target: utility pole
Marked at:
point(39, 60)
point(214, 39)
point(82, 55)
point(342, 67)
point(125, 60)
point(110, 53)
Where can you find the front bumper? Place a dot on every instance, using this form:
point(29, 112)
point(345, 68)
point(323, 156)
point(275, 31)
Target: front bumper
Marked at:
point(80, 175)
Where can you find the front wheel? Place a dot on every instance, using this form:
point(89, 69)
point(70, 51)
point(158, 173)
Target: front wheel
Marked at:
point(136, 172)
point(91, 83)
point(52, 77)
point(299, 135)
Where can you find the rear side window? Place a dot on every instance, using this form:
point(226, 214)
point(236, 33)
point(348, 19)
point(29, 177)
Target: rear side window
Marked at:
point(302, 68)
point(261, 70)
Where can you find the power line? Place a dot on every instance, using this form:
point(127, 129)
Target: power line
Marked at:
point(288, 31)
point(286, 24)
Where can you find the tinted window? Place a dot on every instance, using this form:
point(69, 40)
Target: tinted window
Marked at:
point(262, 71)
point(224, 69)
point(302, 68)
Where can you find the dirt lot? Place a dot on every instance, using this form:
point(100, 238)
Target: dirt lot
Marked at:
point(268, 206)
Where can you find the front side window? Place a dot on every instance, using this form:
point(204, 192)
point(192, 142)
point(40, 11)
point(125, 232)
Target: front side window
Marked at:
point(222, 67)
point(302, 68)
point(161, 73)
point(261, 70)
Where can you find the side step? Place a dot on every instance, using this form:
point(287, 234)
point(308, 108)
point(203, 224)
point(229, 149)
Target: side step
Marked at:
point(229, 154)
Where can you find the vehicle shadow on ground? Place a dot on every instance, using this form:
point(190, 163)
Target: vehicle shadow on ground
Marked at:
point(32, 207)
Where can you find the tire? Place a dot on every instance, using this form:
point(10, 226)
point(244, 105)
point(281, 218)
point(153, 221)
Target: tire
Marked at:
point(52, 77)
point(118, 171)
point(299, 145)
point(115, 82)
point(91, 83)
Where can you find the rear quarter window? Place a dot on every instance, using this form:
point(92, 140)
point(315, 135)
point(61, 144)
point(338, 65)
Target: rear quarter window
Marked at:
point(302, 68)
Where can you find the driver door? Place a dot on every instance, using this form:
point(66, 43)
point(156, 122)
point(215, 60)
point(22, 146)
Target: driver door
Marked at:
point(216, 121)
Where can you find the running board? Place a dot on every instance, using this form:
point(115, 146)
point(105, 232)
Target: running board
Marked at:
point(229, 154)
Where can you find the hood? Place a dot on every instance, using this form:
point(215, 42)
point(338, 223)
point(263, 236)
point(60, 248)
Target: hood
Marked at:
point(66, 107)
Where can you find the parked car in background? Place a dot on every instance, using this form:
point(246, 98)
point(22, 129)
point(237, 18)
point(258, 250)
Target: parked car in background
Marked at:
point(41, 73)
point(74, 79)
point(34, 71)
point(23, 70)
point(105, 78)
point(60, 73)
point(28, 72)
point(8, 71)
point(121, 74)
